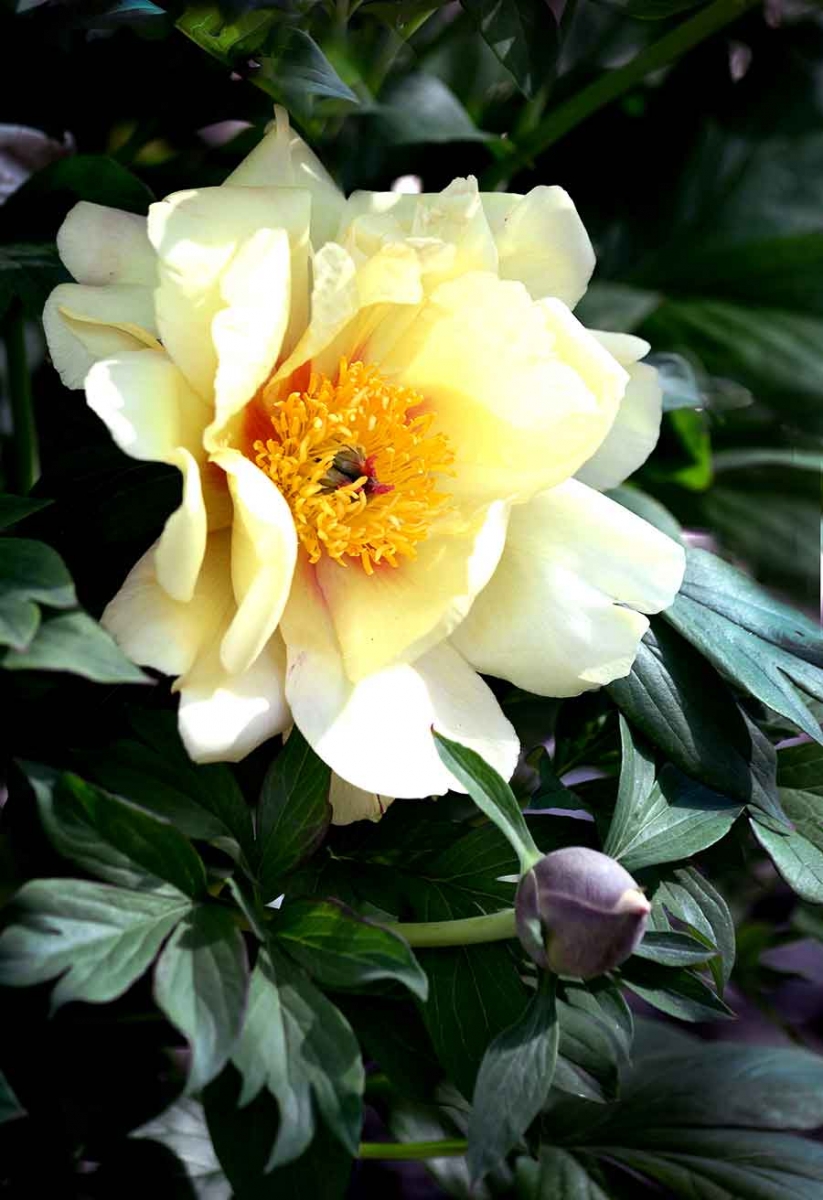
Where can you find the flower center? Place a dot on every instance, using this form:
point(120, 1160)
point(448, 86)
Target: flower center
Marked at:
point(358, 465)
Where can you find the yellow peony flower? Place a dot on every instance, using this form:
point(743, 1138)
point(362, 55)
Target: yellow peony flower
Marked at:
point(391, 431)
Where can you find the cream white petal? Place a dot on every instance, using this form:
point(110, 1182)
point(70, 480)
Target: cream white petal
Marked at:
point(101, 245)
point(197, 235)
point(524, 393)
point(282, 159)
point(223, 717)
point(376, 734)
point(349, 803)
point(558, 616)
point(147, 404)
point(156, 631)
point(182, 543)
point(85, 324)
point(399, 613)
point(542, 242)
point(264, 550)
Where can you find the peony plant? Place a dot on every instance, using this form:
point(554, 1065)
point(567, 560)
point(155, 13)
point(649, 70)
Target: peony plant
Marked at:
point(394, 438)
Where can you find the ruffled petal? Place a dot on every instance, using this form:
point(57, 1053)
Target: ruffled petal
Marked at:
point(524, 393)
point(636, 427)
point(376, 734)
point(147, 404)
point(197, 236)
point(264, 550)
point(542, 242)
point(282, 159)
point(85, 324)
point(223, 717)
point(101, 245)
point(399, 613)
point(557, 617)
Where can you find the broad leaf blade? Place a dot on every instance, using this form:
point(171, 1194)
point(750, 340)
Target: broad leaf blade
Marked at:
point(293, 814)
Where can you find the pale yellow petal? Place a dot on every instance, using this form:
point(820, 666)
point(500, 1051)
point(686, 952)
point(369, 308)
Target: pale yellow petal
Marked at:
point(636, 427)
point(399, 613)
point(282, 159)
point(182, 543)
point(557, 617)
point(223, 717)
point(147, 405)
point(264, 550)
point(197, 235)
point(349, 803)
point(376, 734)
point(542, 242)
point(85, 324)
point(522, 390)
point(101, 245)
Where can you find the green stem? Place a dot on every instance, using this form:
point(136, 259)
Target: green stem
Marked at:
point(412, 1151)
point(496, 927)
point(612, 84)
point(24, 459)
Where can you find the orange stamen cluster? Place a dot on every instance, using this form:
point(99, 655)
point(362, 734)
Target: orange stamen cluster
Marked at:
point(381, 515)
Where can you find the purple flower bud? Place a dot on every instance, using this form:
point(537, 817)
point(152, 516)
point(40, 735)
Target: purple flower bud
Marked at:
point(579, 912)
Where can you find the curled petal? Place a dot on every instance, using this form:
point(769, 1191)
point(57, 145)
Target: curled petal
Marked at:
point(182, 544)
point(101, 245)
point(85, 324)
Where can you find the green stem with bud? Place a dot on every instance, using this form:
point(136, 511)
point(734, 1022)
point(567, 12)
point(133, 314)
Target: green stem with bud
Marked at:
point(614, 83)
point(470, 931)
point(412, 1151)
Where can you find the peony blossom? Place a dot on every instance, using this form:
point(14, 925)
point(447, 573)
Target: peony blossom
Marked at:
point(392, 435)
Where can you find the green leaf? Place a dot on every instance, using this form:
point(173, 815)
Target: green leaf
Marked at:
point(182, 1129)
point(594, 1040)
point(676, 699)
point(463, 880)
point(559, 1175)
point(203, 802)
point(16, 508)
point(293, 814)
point(342, 950)
point(31, 573)
point(673, 949)
point(99, 938)
point(10, 1106)
point(200, 984)
point(74, 642)
point(94, 177)
point(522, 34)
point(762, 645)
point(300, 1047)
point(492, 795)
point(798, 860)
point(28, 272)
point(513, 1082)
point(297, 68)
point(420, 108)
point(637, 775)
point(689, 897)
point(113, 839)
point(680, 993)
point(474, 994)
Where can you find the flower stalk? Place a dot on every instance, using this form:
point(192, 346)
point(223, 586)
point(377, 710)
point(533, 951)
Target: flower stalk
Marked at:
point(469, 931)
point(412, 1151)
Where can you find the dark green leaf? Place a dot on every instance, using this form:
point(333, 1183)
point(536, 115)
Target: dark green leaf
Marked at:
point(31, 573)
point(113, 839)
point(800, 782)
point(28, 272)
point(593, 1040)
point(559, 1175)
point(522, 34)
point(492, 795)
point(74, 642)
point(10, 1106)
point(513, 1082)
point(99, 938)
point(294, 812)
point(762, 645)
point(17, 508)
point(673, 949)
point(688, 896)
point(298, 1045)
point(680, 993)
point(421, 108)
point(681, 704)
point(298, 68)
point(200, 983)
point(182, 1129)
point(341, 950)
point(798, 860)
point(94, 177)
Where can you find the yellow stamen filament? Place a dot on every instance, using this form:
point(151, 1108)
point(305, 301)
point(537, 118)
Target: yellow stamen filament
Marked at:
point(359, 410)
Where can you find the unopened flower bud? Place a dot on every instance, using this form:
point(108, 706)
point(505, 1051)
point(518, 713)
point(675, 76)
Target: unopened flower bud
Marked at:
point(579, 912)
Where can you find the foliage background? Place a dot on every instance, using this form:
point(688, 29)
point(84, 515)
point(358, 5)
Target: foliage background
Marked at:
point(701, 183)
